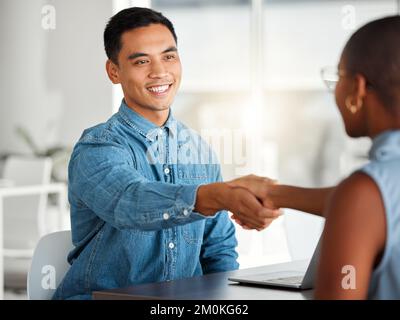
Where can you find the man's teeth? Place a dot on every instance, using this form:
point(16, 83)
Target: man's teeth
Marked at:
point(159, 88)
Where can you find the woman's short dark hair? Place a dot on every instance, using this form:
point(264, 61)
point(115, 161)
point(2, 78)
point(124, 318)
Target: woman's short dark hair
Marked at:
point(129, 19)
point(374, 51)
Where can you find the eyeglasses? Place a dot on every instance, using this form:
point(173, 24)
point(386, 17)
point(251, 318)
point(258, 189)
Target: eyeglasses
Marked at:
point(330, 76)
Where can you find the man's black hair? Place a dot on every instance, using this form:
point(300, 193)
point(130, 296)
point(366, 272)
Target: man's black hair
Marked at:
point(374, 52)
point(129, 19)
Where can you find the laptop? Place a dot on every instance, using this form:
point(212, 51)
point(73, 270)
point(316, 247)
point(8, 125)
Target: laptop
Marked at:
point(285, 278)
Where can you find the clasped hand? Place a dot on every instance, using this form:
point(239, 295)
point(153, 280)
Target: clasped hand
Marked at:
point(251, 204)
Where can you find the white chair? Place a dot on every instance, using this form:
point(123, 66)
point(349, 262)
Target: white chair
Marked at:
point(24, 216)
point(49, 265)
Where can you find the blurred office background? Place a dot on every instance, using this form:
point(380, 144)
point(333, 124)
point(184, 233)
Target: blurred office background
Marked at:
point(251, 84)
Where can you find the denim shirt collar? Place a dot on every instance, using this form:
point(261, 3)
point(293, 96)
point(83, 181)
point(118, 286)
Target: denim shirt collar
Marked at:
point(146, 128)
point(386, 146)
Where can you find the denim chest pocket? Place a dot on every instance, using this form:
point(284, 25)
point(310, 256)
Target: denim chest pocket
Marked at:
point(141, 233)
point(193, 233)
point(192, 173)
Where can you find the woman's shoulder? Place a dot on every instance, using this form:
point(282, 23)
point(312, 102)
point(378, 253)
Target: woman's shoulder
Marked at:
point(358, 201)
point(357, 186)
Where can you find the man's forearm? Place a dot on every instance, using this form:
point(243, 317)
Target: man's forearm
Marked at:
point(303, 199)
point(211, 198)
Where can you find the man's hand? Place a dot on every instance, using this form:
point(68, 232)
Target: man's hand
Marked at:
point(248, 211)
point(245, 206)
point(260, 186)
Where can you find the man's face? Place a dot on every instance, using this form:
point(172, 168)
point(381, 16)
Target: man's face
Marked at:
point(149, 68)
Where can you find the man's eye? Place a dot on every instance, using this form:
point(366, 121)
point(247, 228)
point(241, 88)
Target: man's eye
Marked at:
point(141, 62)
point(170, 57)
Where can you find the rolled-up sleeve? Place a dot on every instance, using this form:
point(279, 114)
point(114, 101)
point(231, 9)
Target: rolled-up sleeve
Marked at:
point(103, 176)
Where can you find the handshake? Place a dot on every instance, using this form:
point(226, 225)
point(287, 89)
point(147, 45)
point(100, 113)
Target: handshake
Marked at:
point(249, 198)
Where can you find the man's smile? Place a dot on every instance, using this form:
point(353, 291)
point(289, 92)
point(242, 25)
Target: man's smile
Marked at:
point(159, 90)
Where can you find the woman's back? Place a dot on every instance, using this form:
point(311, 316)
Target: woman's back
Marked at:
point(384, 169)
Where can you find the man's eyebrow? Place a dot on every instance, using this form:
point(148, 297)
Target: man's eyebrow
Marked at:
point(141, 54)
point(137, 55)
point(171, 49)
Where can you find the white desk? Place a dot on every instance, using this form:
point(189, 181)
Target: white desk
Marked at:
point(15, 191)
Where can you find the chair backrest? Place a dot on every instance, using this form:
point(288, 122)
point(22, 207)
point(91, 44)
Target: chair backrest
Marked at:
point(24, 215)
point(49, 265)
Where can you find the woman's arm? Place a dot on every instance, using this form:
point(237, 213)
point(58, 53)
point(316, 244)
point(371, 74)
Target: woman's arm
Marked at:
point(302, 199)
point(354, 238)
point(273, 195)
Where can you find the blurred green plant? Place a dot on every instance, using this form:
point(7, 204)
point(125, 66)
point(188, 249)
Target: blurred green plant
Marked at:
point(59, 154)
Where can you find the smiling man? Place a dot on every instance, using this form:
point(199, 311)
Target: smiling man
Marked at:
point(145, 191)
point(148, 69)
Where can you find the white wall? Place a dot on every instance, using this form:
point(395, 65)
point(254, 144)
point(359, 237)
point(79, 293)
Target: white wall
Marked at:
point(53, 82)
point(303, 36)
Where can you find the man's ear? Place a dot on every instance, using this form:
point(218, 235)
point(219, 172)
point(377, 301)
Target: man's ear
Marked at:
point(112, 71)
point(360, 86)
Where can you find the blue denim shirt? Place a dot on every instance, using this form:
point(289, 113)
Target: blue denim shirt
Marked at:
point(132, 190)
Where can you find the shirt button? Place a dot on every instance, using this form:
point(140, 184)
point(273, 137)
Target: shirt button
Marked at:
point(185, 212)
point(160, 132)
point(171, 245)
point(165, 216)
point(167, 171)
